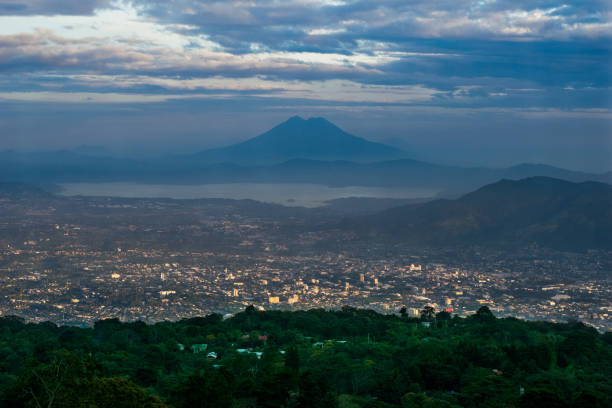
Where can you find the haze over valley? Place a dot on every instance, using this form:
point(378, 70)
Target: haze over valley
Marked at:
point(297, 151)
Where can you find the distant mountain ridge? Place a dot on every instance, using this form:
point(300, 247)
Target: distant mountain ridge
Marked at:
point(537, 210)
point(298, 138)
point(69, 167)
point(296, 151)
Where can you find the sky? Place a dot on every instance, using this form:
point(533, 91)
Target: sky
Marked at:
point(489, 82)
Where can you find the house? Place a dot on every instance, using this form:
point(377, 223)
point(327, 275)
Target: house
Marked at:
point(198, 348)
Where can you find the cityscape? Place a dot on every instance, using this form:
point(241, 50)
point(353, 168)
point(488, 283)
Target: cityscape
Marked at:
point(121, 258)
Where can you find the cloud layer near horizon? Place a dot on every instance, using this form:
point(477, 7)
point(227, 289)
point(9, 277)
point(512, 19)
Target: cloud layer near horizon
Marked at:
point(498, 61)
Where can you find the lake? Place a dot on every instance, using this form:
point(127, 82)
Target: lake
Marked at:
point(290, 194)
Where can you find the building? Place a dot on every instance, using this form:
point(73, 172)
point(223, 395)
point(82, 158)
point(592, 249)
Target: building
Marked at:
point(198, 348)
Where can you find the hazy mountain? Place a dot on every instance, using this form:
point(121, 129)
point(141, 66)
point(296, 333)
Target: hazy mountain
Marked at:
point(538, 210)
point(22, 190)
point(451, 181)
point(296, 151)
point(63, 165)
point(297, 138)
point(89, 150)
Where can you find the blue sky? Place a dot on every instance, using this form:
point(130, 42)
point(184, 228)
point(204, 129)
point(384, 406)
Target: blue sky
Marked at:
point(464, 82)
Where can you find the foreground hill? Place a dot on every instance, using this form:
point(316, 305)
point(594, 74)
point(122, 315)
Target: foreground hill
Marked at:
point(298, 138)
point(537, 210)
point(349, 358)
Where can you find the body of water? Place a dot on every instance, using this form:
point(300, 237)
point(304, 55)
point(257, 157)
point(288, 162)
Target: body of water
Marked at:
point(291, 194)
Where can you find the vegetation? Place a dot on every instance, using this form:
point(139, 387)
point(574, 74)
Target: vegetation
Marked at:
point(350, 358)
point(549, 212)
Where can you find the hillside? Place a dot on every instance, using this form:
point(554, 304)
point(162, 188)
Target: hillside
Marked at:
point(538, 210)
point(348, 358)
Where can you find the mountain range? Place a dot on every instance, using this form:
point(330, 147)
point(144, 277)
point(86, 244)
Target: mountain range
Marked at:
point(537, 210)
point(296, 151)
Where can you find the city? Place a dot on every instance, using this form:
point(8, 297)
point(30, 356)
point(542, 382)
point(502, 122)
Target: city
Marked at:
point(78, 260)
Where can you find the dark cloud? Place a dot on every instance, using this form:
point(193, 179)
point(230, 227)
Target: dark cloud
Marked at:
point(51, 7)
point(541, 41)
point(237, 24)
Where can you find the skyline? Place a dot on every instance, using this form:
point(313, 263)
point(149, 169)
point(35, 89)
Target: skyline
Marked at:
point(471, 83)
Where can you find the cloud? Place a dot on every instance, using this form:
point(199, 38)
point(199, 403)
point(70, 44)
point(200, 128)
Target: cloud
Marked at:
point(214, 88)
point(484, 74)
point(435, 44)
point(83, 97)
point(51, 7)
point(290, 24)
point(43, 51)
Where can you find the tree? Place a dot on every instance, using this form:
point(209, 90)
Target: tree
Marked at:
point(428, 313)
point(52, 384)
point(420, 400)
point(292, 359)
point(538, 398)
point(484, 314)
point(443, 315)
point(315, 392)
point(206, 390)
point(118, 393)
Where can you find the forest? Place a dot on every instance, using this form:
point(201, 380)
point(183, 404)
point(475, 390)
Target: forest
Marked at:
point(348, 358)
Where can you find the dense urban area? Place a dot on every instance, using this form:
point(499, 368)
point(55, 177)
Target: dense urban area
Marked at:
point(75, 260)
